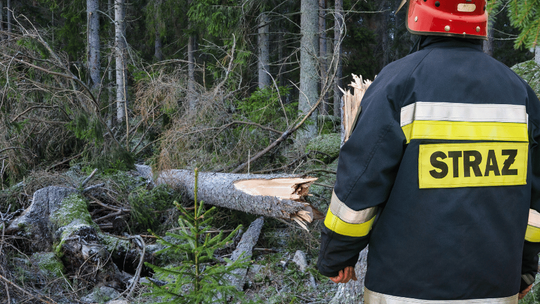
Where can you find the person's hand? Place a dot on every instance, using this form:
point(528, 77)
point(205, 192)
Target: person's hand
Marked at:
point(345, 275)
point(522, 294)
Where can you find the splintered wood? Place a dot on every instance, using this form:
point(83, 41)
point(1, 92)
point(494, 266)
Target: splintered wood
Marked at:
point(351, 104)
point(284, 188)
point(288, 188)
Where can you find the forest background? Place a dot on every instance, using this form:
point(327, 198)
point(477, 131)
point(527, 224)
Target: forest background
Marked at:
point(220, 85)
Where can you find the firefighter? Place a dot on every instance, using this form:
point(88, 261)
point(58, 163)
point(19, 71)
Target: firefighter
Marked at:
point(441, 175)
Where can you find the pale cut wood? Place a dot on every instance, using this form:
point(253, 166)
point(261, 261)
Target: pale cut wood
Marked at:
point(351, 104)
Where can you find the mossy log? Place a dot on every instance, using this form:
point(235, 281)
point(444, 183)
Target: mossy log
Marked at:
point(58, 223)
point(274, 195)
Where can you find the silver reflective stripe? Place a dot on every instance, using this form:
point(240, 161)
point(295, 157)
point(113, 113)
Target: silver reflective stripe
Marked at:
point(534, 218)
point(449, 111)
point(349, 215)
point(371, 297)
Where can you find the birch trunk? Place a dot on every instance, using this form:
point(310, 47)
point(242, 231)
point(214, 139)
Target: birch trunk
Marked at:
point(121, 88)
point(338, 33)
point(309, 76)
point(264, 51)
point(322, 54)
point(537, 54)
point(92, 7)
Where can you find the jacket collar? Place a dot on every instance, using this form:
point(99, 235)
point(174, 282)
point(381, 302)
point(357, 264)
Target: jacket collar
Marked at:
point(429, 42)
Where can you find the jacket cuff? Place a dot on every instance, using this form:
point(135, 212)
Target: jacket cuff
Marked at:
point(526, 281)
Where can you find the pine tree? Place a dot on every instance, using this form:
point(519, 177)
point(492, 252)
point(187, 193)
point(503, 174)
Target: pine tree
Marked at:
point(525, 15)
point(200, 278)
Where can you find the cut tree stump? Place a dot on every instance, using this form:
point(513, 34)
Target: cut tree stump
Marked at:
point(274, 195)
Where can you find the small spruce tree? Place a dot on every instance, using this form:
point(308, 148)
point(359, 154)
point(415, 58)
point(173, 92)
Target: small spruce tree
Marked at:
point(200, 278)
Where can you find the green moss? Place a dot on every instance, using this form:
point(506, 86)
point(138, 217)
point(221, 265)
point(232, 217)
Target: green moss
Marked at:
point(73, 208)
point(114, 244)
point(530, 72)
point(327, 144)
point(48, 263)
point(70, 217)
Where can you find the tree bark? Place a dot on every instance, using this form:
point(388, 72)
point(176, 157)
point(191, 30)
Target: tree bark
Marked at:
point(158, 47)
point(264, 51)
point(121, 88)
point(279, 196)
point(488, 44)
point(191, 96)
point(110, 84)
point(244, 249)
point(338, 33)
point(92, 7)
point(9, 17)
point(1, 19)
point(537, 54)
point(322, 53)
point(309, 77)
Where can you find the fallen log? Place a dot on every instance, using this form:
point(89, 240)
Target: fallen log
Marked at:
point(244, 250)
point(274, 195)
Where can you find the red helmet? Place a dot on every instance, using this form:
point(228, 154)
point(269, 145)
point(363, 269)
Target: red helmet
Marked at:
point(460, 18)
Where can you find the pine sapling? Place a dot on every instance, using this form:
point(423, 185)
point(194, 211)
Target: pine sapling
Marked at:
point(200, 277)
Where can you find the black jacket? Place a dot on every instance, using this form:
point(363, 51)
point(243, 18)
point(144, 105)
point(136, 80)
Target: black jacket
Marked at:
point(443, 166)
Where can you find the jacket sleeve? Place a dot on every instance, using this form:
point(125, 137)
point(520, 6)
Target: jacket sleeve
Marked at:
point(367, 167)
point(531, 247)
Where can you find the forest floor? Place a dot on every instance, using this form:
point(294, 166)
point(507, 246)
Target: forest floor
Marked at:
point(274, 274)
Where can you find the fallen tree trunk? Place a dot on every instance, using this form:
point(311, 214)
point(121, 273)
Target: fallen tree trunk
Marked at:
point(274, 195)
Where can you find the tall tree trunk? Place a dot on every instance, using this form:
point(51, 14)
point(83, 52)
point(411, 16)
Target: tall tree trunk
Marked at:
point(121, 88)
point(1, 19)
point(110, 83)
point(537, 54)
point(338, 32)
point(281, 59)
point(192, 98)
point(9, 15)
point(322, 54)
point(264, 51)
point(309, 78)
point(92, 7)
point(158, 47)
point(488, 44)
point(384, 32)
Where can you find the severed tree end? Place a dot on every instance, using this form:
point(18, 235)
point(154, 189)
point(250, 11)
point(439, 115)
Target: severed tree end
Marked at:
point(295, 189)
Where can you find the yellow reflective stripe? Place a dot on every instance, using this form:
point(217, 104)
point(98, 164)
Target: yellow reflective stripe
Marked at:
point(335, 224)
point(373, 297)
point(349, 215)
point(465, 130)
point(532, 234)
point(533, 228)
